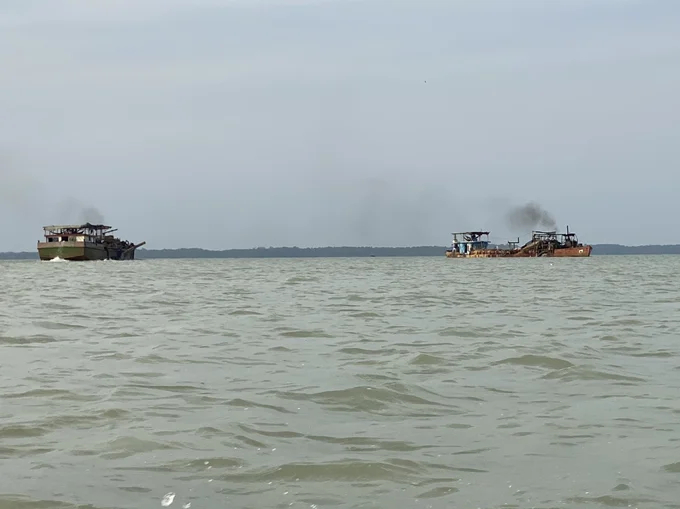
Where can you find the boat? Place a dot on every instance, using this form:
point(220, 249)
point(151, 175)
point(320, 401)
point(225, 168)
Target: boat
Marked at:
point(553, 244)
point(84, 242)
point(476, 244)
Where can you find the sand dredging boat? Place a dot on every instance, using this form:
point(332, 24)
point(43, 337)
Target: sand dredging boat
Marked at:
point(542, 244)
point(84, 242)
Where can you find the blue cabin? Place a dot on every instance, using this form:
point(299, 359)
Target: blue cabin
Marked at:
point(470, 241)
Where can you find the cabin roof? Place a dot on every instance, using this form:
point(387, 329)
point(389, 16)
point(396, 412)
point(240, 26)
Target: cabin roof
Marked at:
point(470, 233)
point(86, 226)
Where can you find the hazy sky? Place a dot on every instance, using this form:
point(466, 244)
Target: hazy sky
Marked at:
point(242, 123)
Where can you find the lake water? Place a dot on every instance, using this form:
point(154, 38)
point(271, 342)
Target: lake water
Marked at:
point(353, 383)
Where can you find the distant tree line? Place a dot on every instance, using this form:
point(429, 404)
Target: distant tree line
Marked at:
point(24, 255)
point(653, 249)
point(294, 252)
point(345, 252)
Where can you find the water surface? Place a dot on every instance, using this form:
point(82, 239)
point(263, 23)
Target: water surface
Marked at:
point(353, 383)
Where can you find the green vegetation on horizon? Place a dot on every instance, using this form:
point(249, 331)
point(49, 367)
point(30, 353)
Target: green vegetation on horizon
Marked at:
point(345, 252)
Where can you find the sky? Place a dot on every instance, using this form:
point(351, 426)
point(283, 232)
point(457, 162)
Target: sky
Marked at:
point(233, 124)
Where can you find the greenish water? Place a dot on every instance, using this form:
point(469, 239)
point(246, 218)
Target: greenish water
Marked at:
point(376, 383)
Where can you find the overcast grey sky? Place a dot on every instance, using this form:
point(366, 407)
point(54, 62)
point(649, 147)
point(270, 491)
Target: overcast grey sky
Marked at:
point(221, 124)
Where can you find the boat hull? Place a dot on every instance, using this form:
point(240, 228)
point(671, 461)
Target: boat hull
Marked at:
point(573, 252)
point(566, 252)
point(81, 251)
point(72, 251)
point(484, 253)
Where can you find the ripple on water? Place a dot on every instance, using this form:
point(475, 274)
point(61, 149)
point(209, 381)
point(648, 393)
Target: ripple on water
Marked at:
point(337, 471)
point(13, 431)
point(424, 359)
point(672, 468)
point(26, 502)
point(583, 373)
point(27, 340)
point(304, 333)
point(124, 447)
point(361, 352)
point(238, 402)
point(370, 400)
point(539, 361)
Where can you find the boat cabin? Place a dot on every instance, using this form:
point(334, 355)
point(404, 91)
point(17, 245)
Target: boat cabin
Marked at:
point(562, 240)
point(539, 235)
point(93, 233)
point(466, 242)
point(570, 239)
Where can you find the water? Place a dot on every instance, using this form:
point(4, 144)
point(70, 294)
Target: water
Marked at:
point(376, 383)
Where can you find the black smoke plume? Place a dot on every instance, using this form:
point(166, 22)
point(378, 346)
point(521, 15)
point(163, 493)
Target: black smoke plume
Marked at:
point(530, 217)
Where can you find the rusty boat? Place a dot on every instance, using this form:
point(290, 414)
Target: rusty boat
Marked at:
point(84, 242)
point(542, 244)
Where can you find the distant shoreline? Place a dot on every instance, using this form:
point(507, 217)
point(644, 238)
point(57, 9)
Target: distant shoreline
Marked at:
point(343, 252)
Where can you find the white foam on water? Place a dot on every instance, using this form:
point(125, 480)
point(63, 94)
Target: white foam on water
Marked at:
point(168, 499)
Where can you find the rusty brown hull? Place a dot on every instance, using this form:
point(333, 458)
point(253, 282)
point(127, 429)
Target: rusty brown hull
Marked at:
point(567, 252)
point(573, 252)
